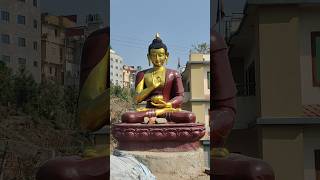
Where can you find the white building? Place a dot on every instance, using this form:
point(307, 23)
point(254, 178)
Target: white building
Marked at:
point(20, 35)
point(116, 68)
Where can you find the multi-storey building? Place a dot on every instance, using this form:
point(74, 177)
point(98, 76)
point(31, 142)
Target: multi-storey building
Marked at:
point(275, 57)
point(196, 81)
point(116, 69)
point(129, 73)
point(55, 50)
point(62, 43)
point(20, 35)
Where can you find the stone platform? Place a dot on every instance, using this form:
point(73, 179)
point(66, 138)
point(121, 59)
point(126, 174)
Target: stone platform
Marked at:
point(180, 137)
point(173, 165)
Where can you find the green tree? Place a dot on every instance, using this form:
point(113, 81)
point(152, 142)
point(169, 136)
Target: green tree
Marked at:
point(6, 85)
point(25, 88)
point(51, 100)
point(202, 48)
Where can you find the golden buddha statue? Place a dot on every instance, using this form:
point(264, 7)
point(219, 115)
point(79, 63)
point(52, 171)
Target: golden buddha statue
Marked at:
point(161, 88)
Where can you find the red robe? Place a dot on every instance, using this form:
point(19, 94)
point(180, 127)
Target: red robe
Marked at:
point(172, 91)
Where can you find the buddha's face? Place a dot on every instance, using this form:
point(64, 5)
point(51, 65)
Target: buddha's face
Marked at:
point(158, 57)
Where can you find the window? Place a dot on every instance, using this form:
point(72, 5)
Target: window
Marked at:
point(116, 60)
point(116, 67)
point(35, 3)
point(21, 42)
point(208, 77)
point(55, 32)
point(5, 59)
point(35, 63)
point(315, 51)
point(50, 70)
point(35, 45)
point(5, 38)
point(117, 74)
point(22, 0)
point(35, 24)
point(5, 16)
point(61, 53)
point(250, 80)
point(21, 19)
point(22, 62)
point(317, 163)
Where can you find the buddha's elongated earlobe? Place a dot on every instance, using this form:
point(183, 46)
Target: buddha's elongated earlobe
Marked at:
point(149, 60)
point(167, 54)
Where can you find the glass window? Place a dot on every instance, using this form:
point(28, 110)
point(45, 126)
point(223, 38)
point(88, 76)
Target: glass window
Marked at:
point(21, 19)
point(35, 45)
point(35, 3)
point(35, 63)
point(5, 16)
point(21, 42)
point(35, 24)
point(315, 49)
point(22, 62)
point(317, 162)
point(5, 59)
point(56, 32)
point(5, 38)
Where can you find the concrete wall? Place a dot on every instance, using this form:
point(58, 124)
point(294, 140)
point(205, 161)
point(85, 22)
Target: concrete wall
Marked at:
point(309, 18)
point(311, 141)
point(280, 84)
point(199, 109)
point(282, 148)
point(196, 82)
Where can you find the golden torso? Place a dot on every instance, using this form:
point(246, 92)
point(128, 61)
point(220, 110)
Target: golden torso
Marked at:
point(155, 75)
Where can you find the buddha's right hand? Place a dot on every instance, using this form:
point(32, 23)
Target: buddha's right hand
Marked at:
point(155, 83)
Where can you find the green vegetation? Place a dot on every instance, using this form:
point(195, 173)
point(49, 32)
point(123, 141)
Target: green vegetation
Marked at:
point(202, 48)
point(45, 100)
point(37, 123)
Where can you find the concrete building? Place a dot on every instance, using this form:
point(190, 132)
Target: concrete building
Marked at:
point(62, 43)
point(116, 68)
point(93, 22)
point(275, 61)
point(196, 78)
point(129, 75)
point(55, 50)
point(20, 41)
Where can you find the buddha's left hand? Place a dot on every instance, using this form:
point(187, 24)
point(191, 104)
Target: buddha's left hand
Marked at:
point(162, 104)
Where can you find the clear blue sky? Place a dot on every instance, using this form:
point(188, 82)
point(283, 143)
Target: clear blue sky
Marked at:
point(181, 23)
